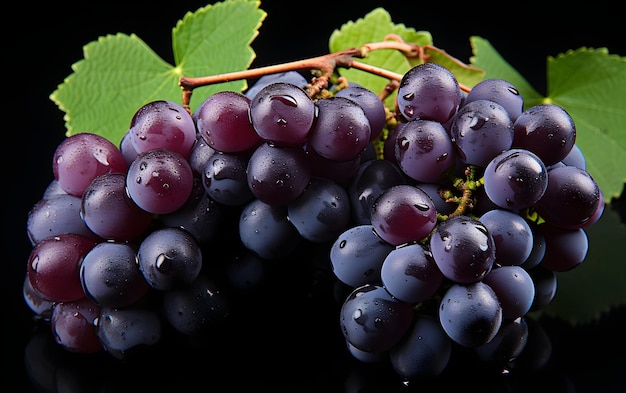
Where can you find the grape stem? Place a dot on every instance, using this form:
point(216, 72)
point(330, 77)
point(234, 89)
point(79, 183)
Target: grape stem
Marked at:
point(325, 65)
point(467, 186)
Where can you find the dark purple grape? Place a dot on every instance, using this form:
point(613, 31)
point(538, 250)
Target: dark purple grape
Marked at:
point(500, 91)
point(82, 157)
point(357, 256)
point(410, 273)
point(110, 276)
point(321, 212)
point(428, 91)
point(124, 331)
point(109, 212)
point(372, 105)
point(199, 156)
point(424, 351)
point(341, 131)
point(374, 321)
point(423, 150)
point(565, 248)
point(73, 327)
point(514, 288)
point(159, 181)
point(372, 178)
point(470, 314)
point(403, 214)
point(337, 171)
point(162, 124)
point(225, 179)
point(546, 285)
point(463, 249)
point(278, 175)
point(512, 236)
point(54, 265)
point(55, 215)
point(222, 120)
point(515, 179)
point(507, 345)
point(480, 130)
point(547, 130)
point(266, 230)
point(571, 199)
point(293, 77)
point(169, 258)
point(282, 113)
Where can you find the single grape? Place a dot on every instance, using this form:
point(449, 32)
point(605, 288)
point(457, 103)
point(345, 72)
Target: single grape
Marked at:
point(225, 179)
point(470, 314)
point(403, 214)
point(424, 351)
point(109, 212)
point(428, 91)
point(571, 199)
point(423, 150)
point(162, 124)
point(222, 120)
point(372, 105)
point(321, 212)
point(82, 157)
point(500, 91)
point(463, 249)
point(357, 255)
point(110, 276)
point(282, 113)
point(546, 286)
point(278, 175)
point(293, 77)
point(73, 327)
point(515, 179)
point(341, 130)
point(480, 130)
point(55, 215)
point(410, 273)
point(374, 321)
point(507, 345)
point(565, 248)
point(54, 265)
point(512, 236)
point(159, 181)
point(169, 258)
point(547, 130)
point(266, 230)
point(514, 288)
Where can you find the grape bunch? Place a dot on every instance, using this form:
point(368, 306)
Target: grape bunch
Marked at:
point(444, 222)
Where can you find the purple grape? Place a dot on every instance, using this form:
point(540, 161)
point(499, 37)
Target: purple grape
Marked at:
point(293, 77)
point(565, 248)
point(470, 314)
point(225, 179)
point(463, 249)
point(428, 91)
point(72, 324)
point(159, 181)
point(341, 131)
point(423, 150)
point(500, 91)
point(480, 130)
point(372, 105)
point(169, 258)
point(123, 331)
point(403, 214)
point(162, 124)
point(82, 157)
point(547, 130)
point(512, 236)
point(374, 321)
point(507, 345)
point(282, 113)
point(110, 276)
point(278, 175)
point(109, 212)
point(357, 256)
point(514, 288)
point(515, 179)
point(222, 120)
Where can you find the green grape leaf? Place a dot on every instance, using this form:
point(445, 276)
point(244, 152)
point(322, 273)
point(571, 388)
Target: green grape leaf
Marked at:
point(120, 73)
point(589, 84)
point(375, 27)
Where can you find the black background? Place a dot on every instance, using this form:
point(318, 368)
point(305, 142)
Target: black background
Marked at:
point(43, 44)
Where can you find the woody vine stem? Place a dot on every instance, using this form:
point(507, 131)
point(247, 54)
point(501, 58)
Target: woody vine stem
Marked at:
point(325, 67)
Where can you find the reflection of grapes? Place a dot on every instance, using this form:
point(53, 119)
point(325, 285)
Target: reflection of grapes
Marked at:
point(432, 239)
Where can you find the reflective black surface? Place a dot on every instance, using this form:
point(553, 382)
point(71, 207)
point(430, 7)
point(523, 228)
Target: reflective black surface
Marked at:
point(285, 338)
